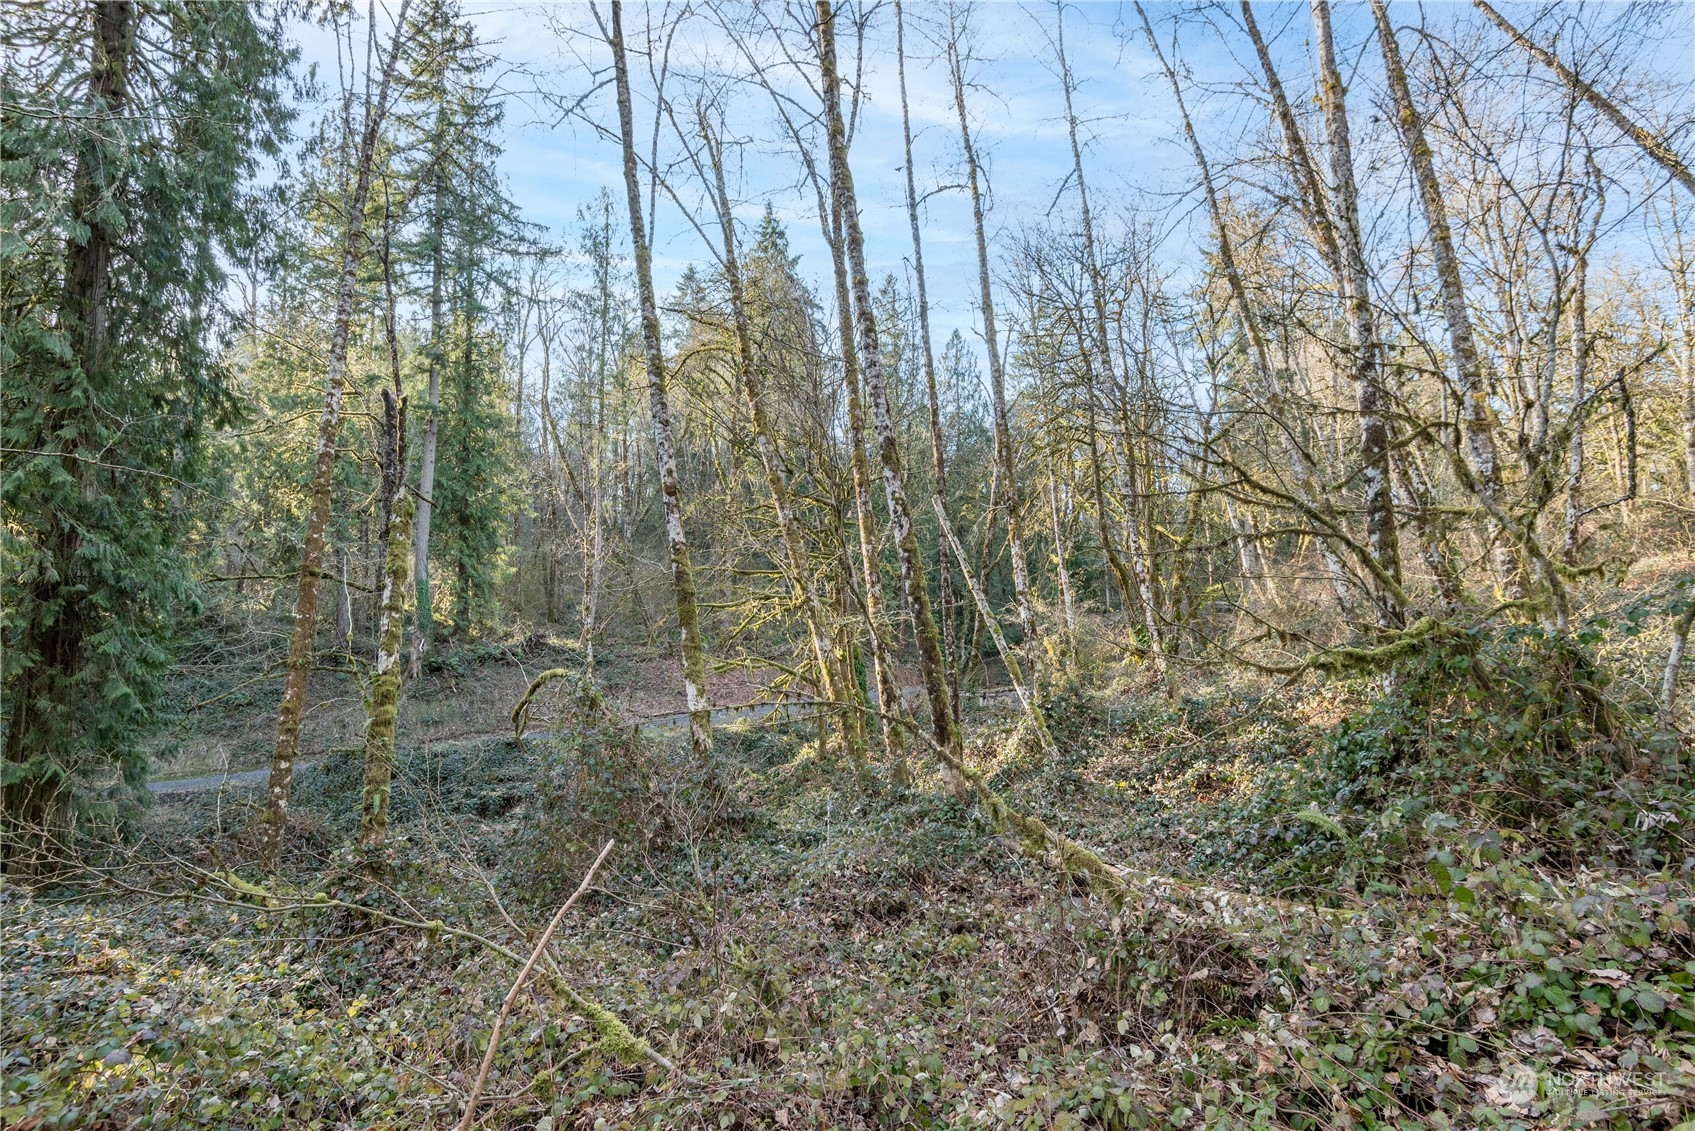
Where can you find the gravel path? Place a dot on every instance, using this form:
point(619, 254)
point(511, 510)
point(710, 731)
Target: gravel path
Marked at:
point(652, 722)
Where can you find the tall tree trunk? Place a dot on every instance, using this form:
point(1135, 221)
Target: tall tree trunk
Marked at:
point(1683, 293)
point(1686, 362)
point(301, 642)
point(1479, 417)
point(395, 508)
point(885, 694)
point(432, 421)
point(938, 443)
point(382, 706)
point(1299, 463)
point(88, 268)
point(1579, 392)
point(551, 491)
point(771, 460)
point(1300, 158)
point(900, 518)
point(595, 548)
point(1140, 567)
point(682, 572)
point(1067, 602)
point(34, 805)
point(997, 375)
point(1650, 143)
point(1355, 284)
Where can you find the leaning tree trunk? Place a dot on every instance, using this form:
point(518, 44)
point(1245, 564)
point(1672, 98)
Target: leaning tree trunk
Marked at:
point(1479, 417)
point(938, 444)
point(888, 448)
point(997, 374)
point(1355, 285)
point(1301, 163)
point(771, 460)
point(1650, 143)
point(300, 647)
point(659, 403)
point(1300, 470)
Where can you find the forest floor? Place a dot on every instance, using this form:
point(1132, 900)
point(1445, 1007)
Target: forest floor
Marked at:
point(222, 725)
point(1348, 908)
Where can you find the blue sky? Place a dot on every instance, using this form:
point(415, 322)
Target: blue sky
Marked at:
point(1134, 149)
point(1017, 112)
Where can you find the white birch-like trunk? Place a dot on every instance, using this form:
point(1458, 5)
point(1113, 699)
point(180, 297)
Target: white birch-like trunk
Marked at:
point(300, 651)
point(659, 406)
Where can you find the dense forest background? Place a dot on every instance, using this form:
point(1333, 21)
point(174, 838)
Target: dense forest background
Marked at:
point(1094, 565)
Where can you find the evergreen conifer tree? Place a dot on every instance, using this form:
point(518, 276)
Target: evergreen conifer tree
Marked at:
point(124, 197)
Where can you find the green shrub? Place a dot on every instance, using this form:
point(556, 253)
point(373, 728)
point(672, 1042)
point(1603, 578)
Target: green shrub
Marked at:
point(598, 779)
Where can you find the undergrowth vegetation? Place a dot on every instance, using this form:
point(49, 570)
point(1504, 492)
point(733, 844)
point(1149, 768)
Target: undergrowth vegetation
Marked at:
point(1471, 907)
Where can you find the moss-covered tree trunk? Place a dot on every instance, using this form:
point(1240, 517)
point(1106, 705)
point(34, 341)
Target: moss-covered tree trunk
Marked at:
point(938, 442)
point(382, 703)
point(876, 385)
point(300, 649)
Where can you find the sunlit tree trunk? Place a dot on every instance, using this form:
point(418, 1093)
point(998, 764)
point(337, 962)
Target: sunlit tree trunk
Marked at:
point(1479, 417)
point(682, 571)
point(884, 692)
point(301, 642)
point(1010, 494)
point(938, 443)
point(900, 518)
point(1355, 280)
